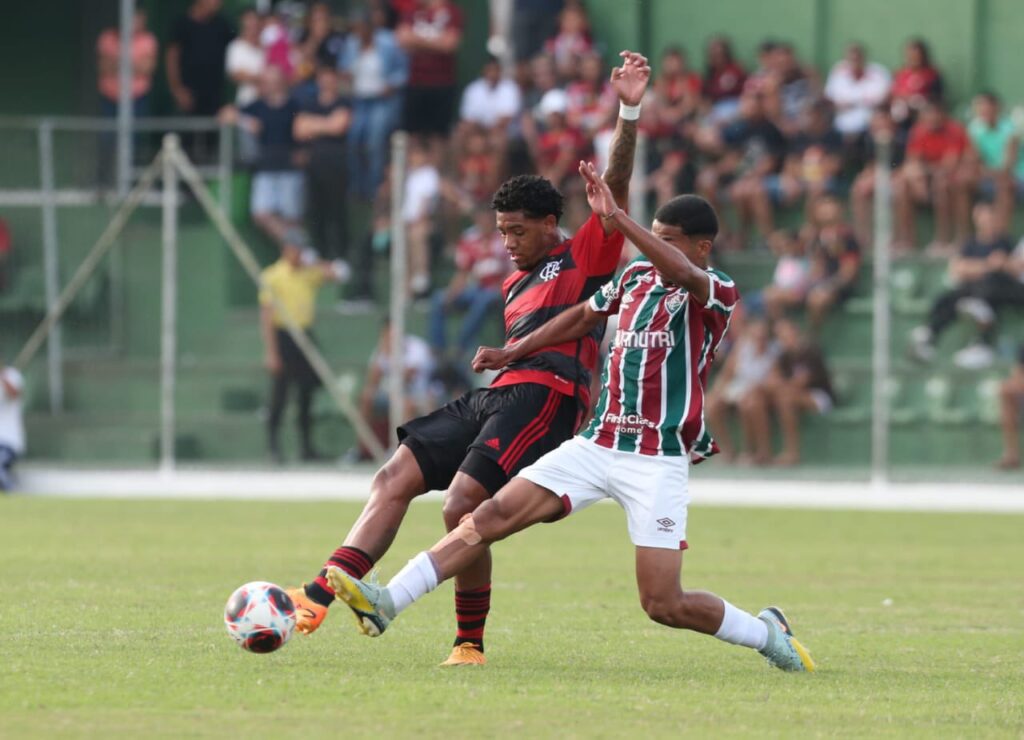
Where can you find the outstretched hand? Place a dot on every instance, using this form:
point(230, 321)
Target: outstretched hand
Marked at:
point(630, 80)
point(599, 195)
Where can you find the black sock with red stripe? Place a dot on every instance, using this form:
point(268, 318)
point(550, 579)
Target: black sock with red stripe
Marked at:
point(471, 608)
point(352, 560)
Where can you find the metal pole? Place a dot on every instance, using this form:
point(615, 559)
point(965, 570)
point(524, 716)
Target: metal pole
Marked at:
point(225, 154)
point(124, 99)
point(880, 350)
point(51, 265)
point(168, 322)
point(399, 280)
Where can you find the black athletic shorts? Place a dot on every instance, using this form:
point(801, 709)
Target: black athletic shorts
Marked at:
point(490, 434)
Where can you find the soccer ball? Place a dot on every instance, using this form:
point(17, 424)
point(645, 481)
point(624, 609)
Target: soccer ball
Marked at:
point(260, 617)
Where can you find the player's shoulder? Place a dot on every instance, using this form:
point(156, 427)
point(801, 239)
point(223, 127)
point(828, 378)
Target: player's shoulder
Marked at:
point(721, 277)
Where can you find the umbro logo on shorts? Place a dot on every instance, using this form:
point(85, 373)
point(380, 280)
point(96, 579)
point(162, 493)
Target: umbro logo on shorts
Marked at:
point(666, 522)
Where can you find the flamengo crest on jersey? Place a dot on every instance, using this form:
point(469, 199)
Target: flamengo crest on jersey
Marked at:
point(652, 397)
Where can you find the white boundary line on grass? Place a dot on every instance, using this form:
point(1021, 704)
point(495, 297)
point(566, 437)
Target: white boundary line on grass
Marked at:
point(278, 485)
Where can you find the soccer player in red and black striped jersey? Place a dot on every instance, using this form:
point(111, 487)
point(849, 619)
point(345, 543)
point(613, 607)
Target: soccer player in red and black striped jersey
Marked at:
point(474, 445)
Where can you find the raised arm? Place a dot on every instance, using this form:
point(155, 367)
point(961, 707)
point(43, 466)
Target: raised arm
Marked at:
point(569, 325)
point(673, 265)
point(629, 81)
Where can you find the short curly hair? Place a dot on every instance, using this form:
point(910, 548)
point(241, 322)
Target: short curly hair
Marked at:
point(535, 196)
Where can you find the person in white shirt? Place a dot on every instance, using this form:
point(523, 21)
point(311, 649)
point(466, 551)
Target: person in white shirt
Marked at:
point(12, 428)
point(246, 59)
point(422, 192)
point(855, 86)
point(490, 100)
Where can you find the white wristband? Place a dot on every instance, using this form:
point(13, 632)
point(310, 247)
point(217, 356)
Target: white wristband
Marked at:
point(629, 112)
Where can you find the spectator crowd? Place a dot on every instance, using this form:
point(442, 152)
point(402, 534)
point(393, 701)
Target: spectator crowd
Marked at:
point(317, 98)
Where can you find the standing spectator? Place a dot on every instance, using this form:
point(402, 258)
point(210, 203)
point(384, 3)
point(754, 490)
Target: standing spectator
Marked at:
point(799, 384)
point(915, 83)
point(246, 58)
point(481, 264)
point(748, 365)
point(321, 125)
point(431, 35)
point(490, 100)
point(994, 163)
point(862, 192)
point(277, 199)
point(1011, 403)
point(287, 296)
point(377, 70)
point(12, 428)
point(835, 260)
point(723, 80)
point(533, 23)
point(422, 192)
point(572, 42)
point(855, 86)
point(320, 44)
point(935, 150)
point(980, 257)
point(195, 64)
point(108, 67)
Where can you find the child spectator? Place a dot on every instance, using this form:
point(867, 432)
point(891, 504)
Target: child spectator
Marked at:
point(572, 41)
point(835, 260)
point(790, 280)
point(422, 192)
point(935, 150)
point(855, 86)
point(915, 83)
point(1011, 403)
point(747, 367)
point(723, 80)
point(481, 264)
point(12, 428)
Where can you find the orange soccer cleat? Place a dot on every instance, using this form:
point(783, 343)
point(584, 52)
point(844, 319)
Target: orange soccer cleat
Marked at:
point(466, 653)
point(308, 614)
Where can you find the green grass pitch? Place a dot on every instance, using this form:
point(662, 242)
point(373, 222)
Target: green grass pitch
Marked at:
point(110, 625)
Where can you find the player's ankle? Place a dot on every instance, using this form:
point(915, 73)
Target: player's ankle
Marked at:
point(318, 594)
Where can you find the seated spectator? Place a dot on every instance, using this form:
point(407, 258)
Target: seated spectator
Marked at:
point(1011, 404)
point(723, 80)
point(799, 384)
point(748, 365)
point(835, 259)
point(935, 150)
point(855, 87)
point(811, 169)
point(422, 193)
point(757, 80)
point(321, 125)
point(246, 58)
point(789, 90)
point(790, 280)
point(431, 35)
point(999, 289)
point(571, 42)
point(320, 43)
point(490, 101)
point(915, 83)
point(377, 70)
point(12, 428)
point(981, 257)
point(673, 98)
point(374, 401)
point(862, 192)
point(481, 264)
point(750, 152)
point(994, 165)
point(277, 184)
point(590, 100)
point(477, 173)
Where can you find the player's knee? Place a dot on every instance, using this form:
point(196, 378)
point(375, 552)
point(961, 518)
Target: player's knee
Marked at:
point(457, 504)
point(393, 483)
point(660, 609)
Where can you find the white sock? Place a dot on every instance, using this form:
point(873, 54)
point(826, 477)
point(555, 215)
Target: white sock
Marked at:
point(416, 579)
point(740, 628)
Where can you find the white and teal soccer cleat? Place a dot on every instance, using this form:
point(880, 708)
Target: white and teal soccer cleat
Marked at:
point(370, 603)
point(782, 649)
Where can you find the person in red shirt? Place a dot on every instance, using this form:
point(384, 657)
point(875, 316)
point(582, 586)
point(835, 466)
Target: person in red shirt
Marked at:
point(431, 34)
point(590, 100)
point(935, 149)
point(723, 80)
point(558, 147)
point(674, 98)
point(915, 83)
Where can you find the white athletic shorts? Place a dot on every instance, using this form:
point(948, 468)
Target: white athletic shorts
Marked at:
point(652, 489)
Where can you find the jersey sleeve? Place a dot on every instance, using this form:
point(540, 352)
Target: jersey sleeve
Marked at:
point(595, 252)
point(723, 296)
point(607, 299)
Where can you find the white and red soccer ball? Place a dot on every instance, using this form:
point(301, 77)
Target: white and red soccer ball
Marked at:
point(260, 617)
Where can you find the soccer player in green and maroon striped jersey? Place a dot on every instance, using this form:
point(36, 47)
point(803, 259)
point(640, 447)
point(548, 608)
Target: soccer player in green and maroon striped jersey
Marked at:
point(648, 426)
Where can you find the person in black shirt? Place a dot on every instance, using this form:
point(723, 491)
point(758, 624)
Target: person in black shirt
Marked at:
point(195, 63)
point(322, 125)
point(862, 192)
